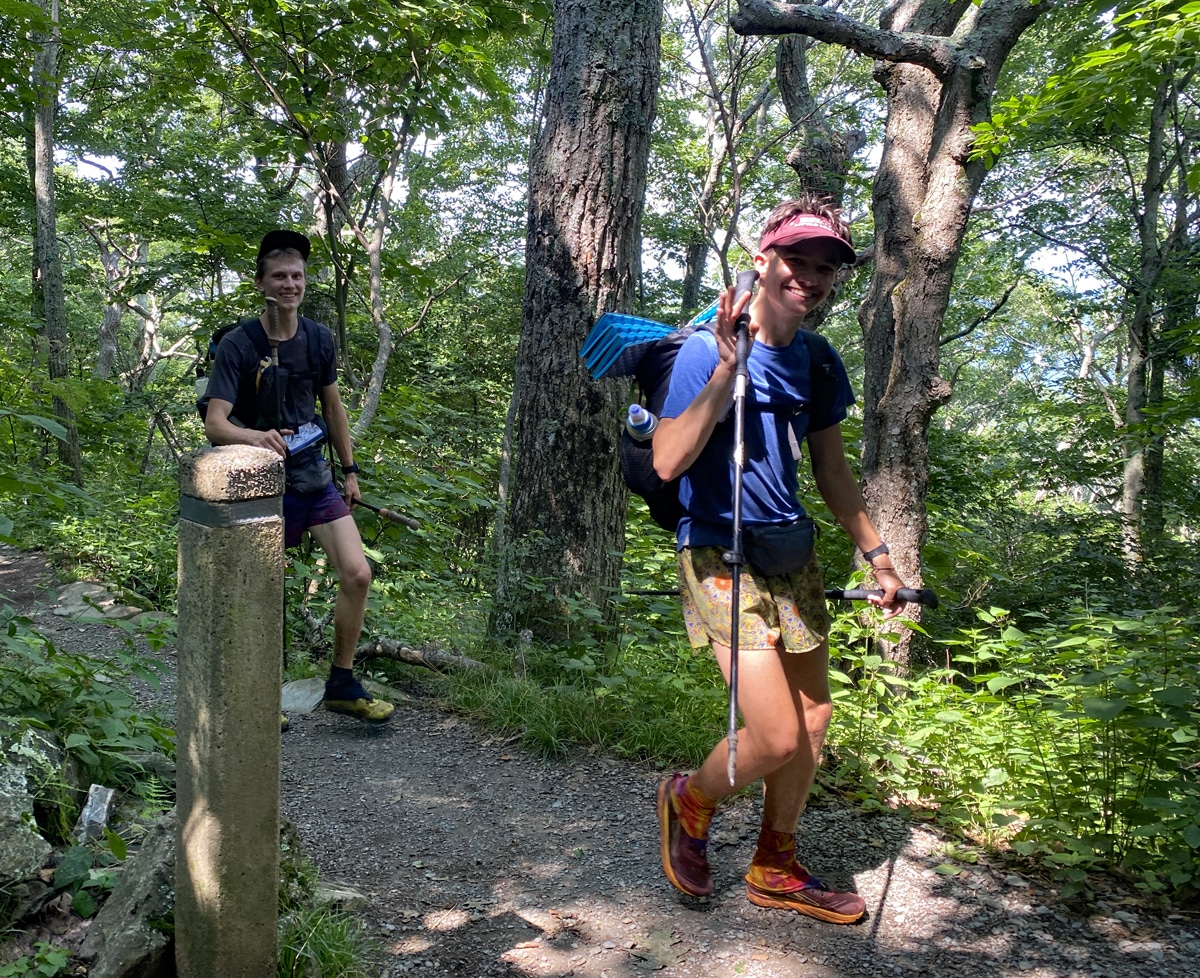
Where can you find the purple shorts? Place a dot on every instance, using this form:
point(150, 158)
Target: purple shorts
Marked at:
point(300, 511)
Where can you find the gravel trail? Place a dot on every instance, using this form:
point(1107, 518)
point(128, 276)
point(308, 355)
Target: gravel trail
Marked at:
point(479, 859)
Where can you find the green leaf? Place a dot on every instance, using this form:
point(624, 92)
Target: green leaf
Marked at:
point(997, 683)
point(84, 904)
point(73, 868)
point(1099, 709)
point(116, 845)
point(1175, 696)
point(46, 424)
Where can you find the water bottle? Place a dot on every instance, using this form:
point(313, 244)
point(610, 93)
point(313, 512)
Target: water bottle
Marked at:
point(640, 423)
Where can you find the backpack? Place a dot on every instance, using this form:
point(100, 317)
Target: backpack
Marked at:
point(651, 364)
point(257, 406)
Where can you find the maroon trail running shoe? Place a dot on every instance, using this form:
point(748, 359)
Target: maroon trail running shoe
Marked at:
point(684, 859)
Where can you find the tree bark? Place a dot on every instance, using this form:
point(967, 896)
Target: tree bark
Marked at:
point(821, 157)
point(1152, 258)
point(566, 517)
point(49, 301)
point(436, 659)
point(938, 63)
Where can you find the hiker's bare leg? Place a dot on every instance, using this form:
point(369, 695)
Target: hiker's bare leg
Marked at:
point(343, 545)
point(772, 733)
point(786, 789)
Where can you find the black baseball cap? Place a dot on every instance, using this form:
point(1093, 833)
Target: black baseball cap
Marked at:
point(280, 238)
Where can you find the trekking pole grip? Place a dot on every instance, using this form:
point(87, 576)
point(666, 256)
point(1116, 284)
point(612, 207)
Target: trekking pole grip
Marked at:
point(743, 285)
point(389, 514)
point(925, 596)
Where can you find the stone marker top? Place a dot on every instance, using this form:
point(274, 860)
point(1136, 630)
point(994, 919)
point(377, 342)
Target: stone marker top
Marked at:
point(230, 474)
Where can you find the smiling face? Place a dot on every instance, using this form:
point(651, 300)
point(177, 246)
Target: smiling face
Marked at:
point(793, 281)
point(283, 279)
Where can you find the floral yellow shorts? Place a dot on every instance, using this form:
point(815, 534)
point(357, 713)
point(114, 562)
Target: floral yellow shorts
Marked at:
point(788, 608)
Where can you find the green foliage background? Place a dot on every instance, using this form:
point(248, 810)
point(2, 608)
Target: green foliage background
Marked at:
point(1051, 711)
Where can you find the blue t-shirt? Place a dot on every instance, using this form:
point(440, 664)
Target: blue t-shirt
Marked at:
point(779, 409)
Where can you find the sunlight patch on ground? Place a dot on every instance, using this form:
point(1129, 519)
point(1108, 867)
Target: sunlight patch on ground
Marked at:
point(411, 945)
point(442, 921)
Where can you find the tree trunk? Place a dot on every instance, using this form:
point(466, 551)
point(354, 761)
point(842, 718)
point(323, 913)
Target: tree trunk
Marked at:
point(49, 302)
point(1153, 518)
point(108, 336)
point(820, 158)
point(938, 64)
point(566, 517)
point(1152, 258)
point(695, 263)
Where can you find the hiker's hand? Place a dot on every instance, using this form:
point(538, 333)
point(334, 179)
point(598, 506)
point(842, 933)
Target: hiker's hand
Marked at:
point(272, 440)
point(890, 581)
point(350, 489)
point(727, 314)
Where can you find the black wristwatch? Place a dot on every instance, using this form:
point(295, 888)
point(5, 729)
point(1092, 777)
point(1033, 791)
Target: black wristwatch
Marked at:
point(350, 469)
point(877, 552)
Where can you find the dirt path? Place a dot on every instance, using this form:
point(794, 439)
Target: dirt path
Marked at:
point(481, 860)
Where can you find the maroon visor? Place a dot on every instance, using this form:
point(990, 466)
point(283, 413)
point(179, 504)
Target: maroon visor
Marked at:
point(807, 227)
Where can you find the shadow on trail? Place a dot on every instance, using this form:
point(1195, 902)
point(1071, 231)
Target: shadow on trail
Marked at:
point(480, 859)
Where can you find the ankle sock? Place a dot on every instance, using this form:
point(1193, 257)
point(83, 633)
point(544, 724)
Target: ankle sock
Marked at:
point(695, 809)
point(774, 865)
point(339, 677)
point(774, 848)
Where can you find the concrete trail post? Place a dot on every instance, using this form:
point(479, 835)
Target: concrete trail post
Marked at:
point(230, 653)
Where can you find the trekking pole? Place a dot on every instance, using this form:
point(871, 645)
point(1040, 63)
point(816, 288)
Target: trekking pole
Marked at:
point(389, 514)
point(273, 328)
point(734, 556)
point(925, 596)
point(273, 323)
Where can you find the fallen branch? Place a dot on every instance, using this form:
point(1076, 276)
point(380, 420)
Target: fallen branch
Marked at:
point(314, 630)
point(389, 648)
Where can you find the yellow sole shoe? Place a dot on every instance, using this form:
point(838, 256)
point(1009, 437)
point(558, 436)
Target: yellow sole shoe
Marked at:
point(371, 710)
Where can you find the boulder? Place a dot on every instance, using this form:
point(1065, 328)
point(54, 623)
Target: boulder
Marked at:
point(92, 601)
point(24, 758)
point(339, 896)
point(302, 695)
point(133, 934)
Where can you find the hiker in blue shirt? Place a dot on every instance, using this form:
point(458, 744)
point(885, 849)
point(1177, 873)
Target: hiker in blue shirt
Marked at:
point(311, 500)
point(783, 664)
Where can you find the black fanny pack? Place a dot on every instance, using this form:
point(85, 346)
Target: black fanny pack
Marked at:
point(306, 470)
point(774, 549)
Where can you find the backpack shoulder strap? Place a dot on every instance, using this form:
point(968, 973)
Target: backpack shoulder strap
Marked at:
point(254, 331)
point(820, 375)
point(820, 363)
point(312, 343)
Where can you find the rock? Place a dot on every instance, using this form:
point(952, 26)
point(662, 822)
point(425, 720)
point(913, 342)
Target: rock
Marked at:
point(25, 899)
point(86, 600)
point(93, 819)
point(132, 935)
point(302, 695)
point(161, 766)
point(23, 851)
point(340, 897)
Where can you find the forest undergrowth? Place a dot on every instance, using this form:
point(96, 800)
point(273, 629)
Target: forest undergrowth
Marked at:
point(1064, 737)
